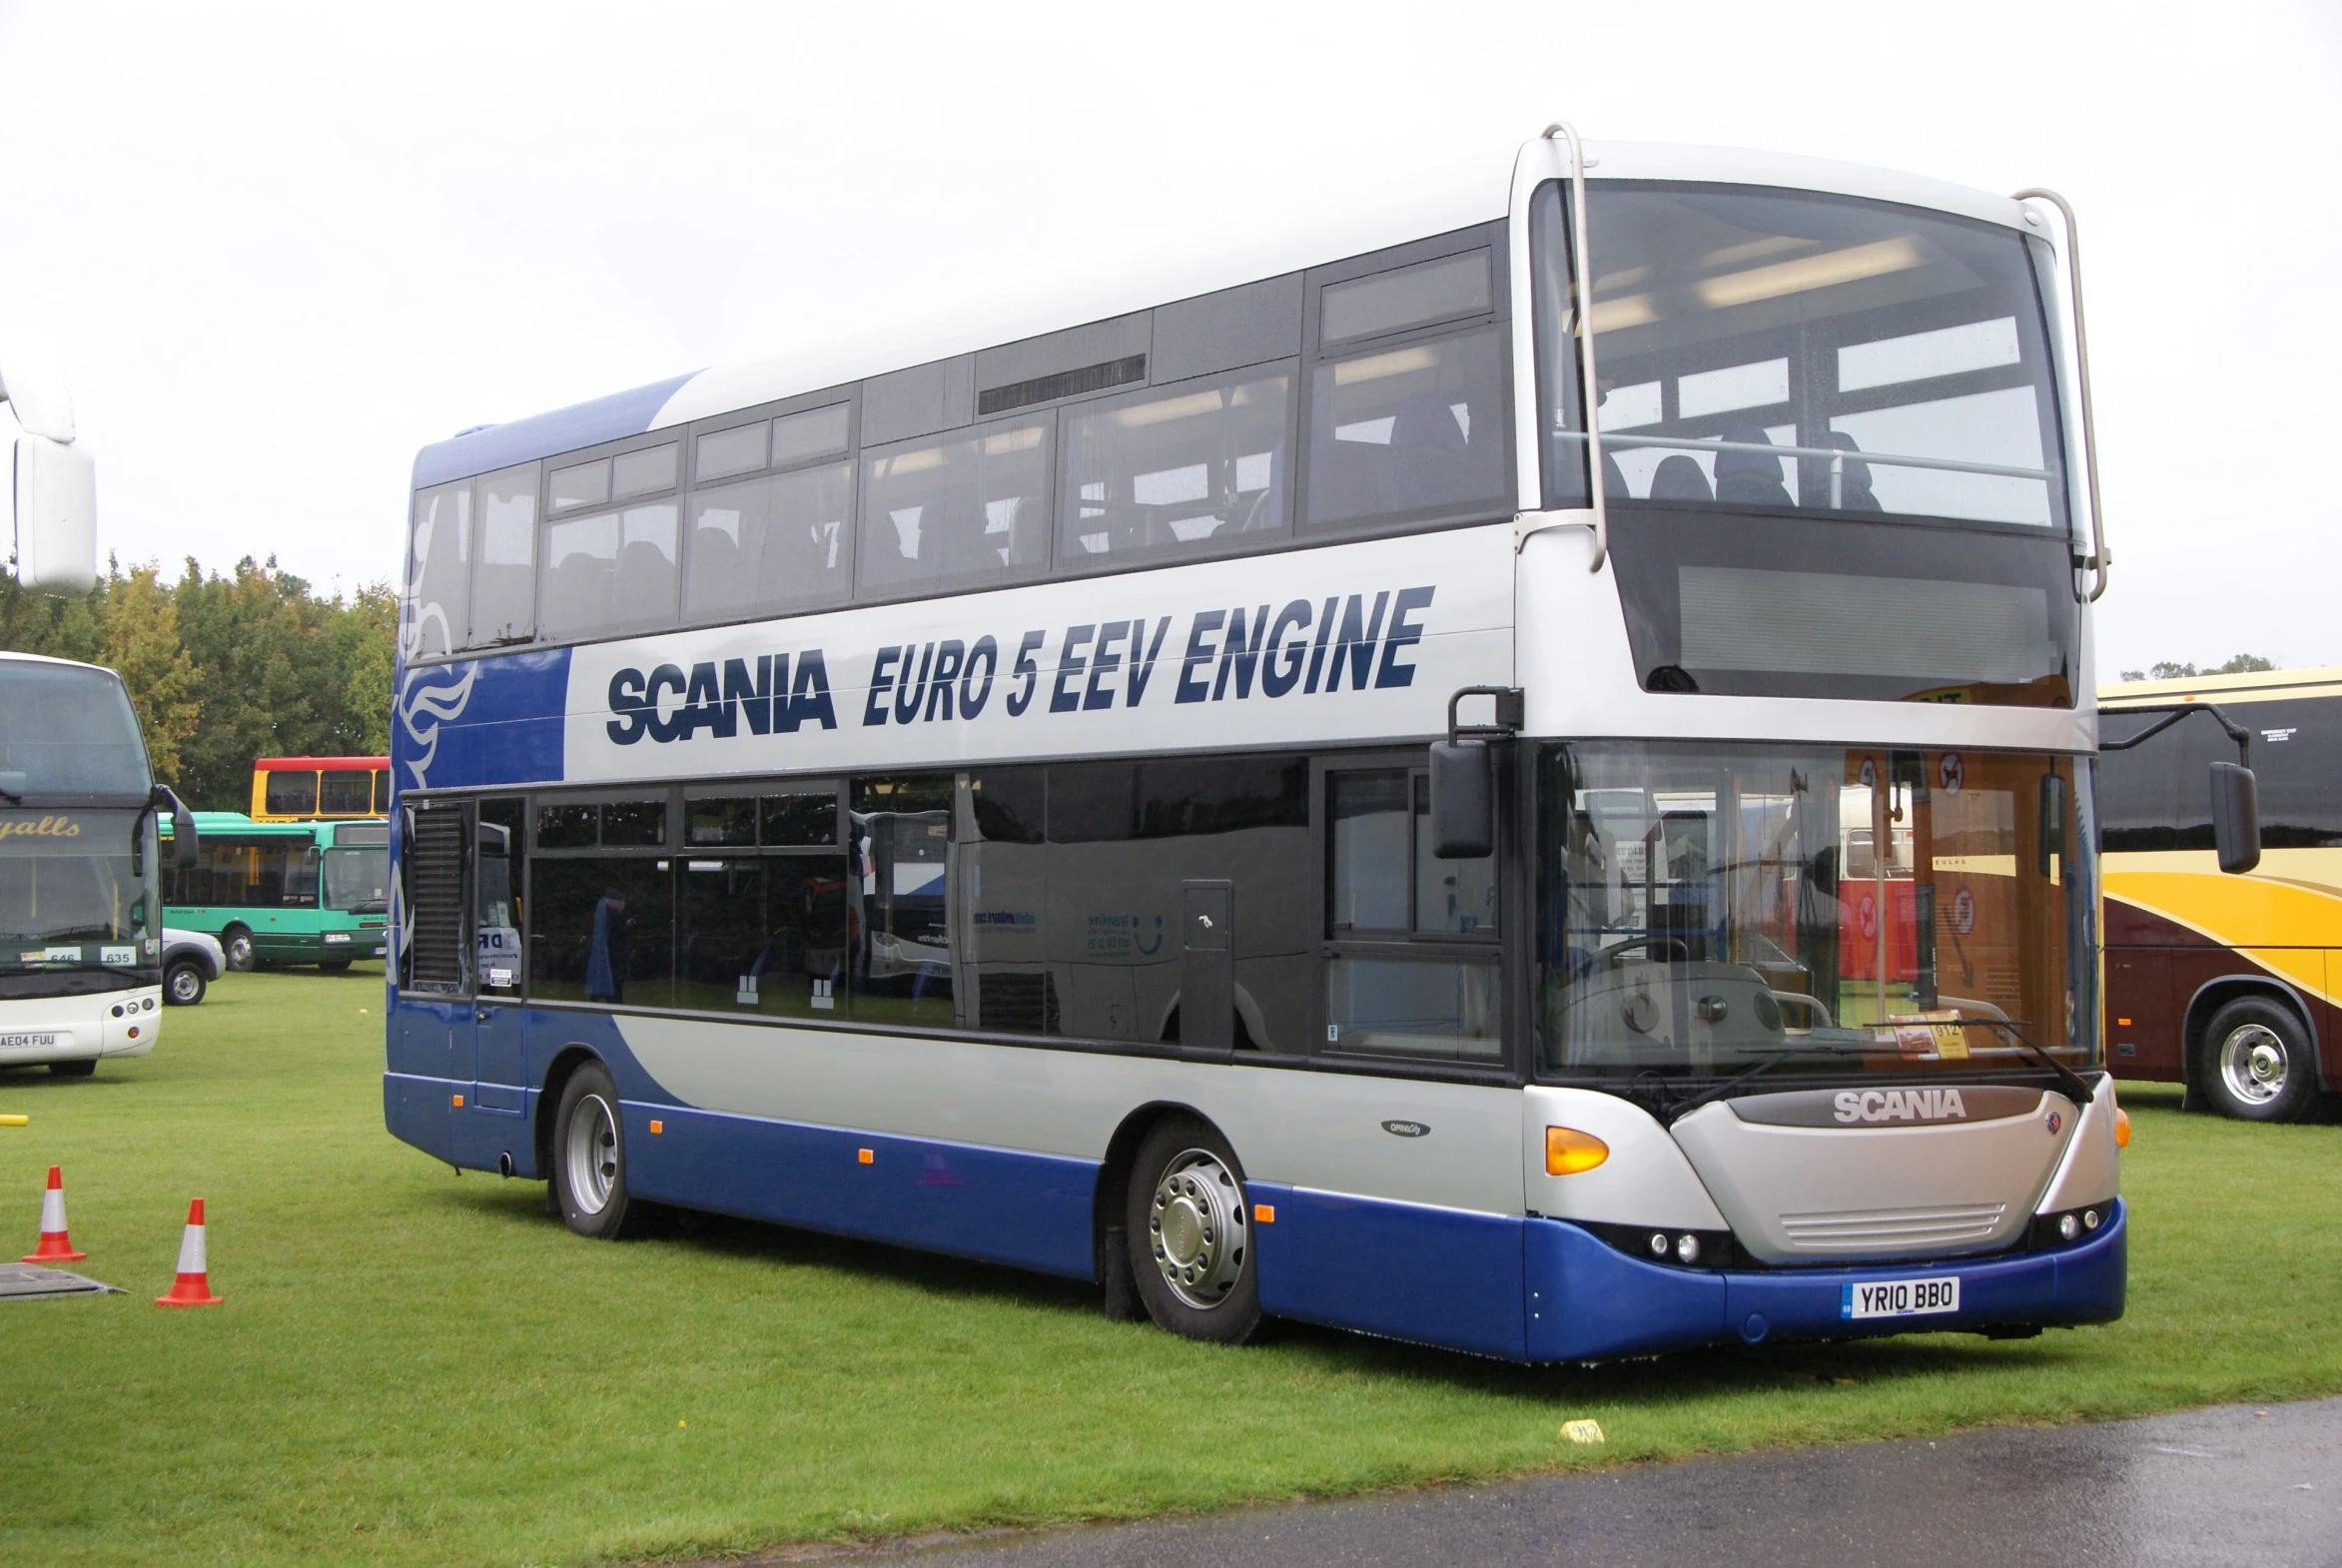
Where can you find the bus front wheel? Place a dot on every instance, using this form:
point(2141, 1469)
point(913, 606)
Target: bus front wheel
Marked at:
point(1190, 1235)
point(2257, 1065)
point(236, 941)
point(333, 966)
point(589, 1157)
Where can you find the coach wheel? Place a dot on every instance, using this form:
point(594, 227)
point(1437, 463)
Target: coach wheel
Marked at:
point(82, 1069)
point(236, 941)
point(184, 985)
point(333, 966)
point(589, 1157)
point(1190, 1235)
point(2259, 1065)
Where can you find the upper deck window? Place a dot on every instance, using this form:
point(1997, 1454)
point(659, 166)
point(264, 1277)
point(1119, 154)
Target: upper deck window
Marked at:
point(1186, 468)
point(965, 510)
point(1789, 351)
point(66, 729)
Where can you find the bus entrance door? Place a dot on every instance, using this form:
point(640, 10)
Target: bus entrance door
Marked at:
point(1207, 971)
point(500, 1081)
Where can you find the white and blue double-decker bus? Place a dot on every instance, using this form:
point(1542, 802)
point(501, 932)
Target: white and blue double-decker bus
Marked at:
point(1508, 769)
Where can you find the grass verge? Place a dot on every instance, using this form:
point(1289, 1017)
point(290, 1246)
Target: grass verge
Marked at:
point(414, 1368)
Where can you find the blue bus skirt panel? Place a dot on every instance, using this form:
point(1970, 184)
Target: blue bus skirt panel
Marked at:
point(1588, 1300)
point(999, 1205)
point(1439, 1276)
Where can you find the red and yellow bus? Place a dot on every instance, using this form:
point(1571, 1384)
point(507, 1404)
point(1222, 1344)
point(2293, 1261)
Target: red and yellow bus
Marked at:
point(2227, 984)
point(320, 789)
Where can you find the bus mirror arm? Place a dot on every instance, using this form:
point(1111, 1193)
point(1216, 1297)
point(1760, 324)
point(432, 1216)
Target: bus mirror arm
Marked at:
point(1582, 293)
point(1463, 775)
point(2100, 558)
point(183, 845)
point(2236, 810)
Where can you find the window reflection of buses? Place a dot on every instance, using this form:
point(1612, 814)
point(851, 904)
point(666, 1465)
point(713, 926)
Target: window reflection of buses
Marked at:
point(2228, 984)
point(1265, 790)
point(301, 789)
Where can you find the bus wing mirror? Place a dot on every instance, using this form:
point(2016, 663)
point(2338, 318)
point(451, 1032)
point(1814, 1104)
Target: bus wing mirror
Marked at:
point(1463, 809)
point(56, 515)
point(2236, 817)
point(182, 843)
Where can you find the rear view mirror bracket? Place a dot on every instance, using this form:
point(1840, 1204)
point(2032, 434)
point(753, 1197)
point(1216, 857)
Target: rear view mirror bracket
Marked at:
point(2236, 824)
point(183, 839)
point(1463, 775)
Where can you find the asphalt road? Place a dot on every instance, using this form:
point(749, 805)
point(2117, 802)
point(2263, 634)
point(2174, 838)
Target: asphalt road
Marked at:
point(2226, 1485)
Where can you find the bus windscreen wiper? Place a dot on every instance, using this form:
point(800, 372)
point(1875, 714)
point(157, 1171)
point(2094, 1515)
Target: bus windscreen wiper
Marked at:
point(1719, 1091)
point(2068, 1077)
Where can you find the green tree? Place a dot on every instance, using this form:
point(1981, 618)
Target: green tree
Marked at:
point(226, 667)
point(139, 639)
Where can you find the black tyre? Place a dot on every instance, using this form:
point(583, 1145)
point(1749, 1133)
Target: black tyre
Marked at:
point(242, 957)
point(82, 1069)
point(333, 966)
point(1190, 1235)
point(2256, 1063)
point(589, 1157)
point(184, 984)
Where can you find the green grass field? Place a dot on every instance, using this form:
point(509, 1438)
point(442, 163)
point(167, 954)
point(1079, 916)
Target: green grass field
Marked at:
point(412, 1368)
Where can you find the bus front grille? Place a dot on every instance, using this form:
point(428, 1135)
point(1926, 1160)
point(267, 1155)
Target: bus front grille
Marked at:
point(1893, 1229)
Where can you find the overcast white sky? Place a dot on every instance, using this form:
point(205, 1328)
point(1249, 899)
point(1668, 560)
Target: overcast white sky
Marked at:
point(284, 247)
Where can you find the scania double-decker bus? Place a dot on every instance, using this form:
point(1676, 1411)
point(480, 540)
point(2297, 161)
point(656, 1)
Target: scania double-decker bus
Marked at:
point(1506, 766)
point(2225, 983)
point(285, 892)
point(81, 931)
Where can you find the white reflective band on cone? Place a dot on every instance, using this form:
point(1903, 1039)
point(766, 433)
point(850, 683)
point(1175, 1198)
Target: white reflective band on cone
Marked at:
point(191, 1250)
point(52, 1212)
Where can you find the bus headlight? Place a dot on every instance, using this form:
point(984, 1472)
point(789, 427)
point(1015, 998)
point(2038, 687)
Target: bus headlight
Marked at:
point(2069, 1226)
point(1568, 1151)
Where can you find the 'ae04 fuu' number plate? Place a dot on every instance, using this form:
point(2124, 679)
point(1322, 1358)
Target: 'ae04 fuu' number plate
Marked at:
point(1899, 1297)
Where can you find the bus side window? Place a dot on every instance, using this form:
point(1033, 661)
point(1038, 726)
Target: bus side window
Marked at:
point(291, 792)
point(345, 792)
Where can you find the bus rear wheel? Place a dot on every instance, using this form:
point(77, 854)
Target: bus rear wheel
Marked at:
point(1190, 1235)
point(589, 1159)
point(236, 941)
point(82, 1069)
point(333, 966)
point(2256, 1064)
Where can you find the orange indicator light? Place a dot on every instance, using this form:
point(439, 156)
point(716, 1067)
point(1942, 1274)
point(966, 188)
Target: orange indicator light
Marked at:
point(456, 1100)
point(866, 1156)
point(2122, 1023)
point(2122, 1128)
point(1568, 1151)
point(657, 1126)
point(1264, 1214)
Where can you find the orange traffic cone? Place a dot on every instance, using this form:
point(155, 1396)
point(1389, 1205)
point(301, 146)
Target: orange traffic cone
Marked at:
point(56, 1247)
point(191, 1288)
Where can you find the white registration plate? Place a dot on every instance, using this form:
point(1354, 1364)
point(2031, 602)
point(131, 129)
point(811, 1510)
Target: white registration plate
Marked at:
point(1900, 1298)
point(28, 1042)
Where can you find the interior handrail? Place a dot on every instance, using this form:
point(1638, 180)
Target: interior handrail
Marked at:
point(1582, 275)
point(1839, 455)
point(2100, 556)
